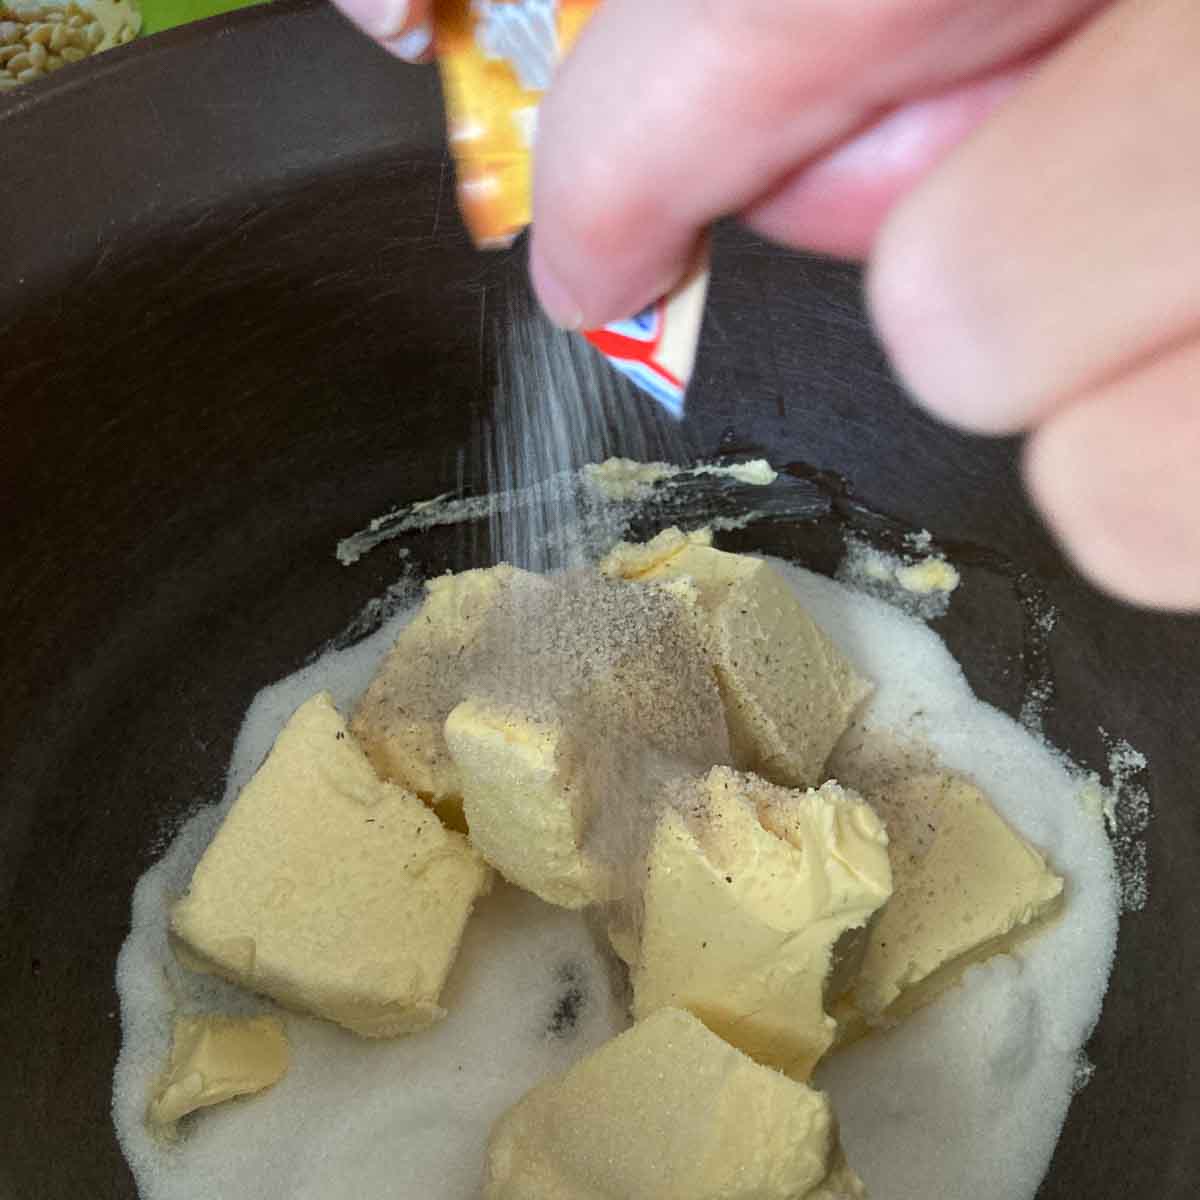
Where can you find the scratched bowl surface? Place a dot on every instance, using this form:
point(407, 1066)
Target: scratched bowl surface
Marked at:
point(246, 321)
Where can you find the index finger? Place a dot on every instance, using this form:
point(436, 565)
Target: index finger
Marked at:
point(626, 175)
point(670, 114)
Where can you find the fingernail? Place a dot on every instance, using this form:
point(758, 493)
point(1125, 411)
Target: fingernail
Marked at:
point(556, 300)
point(413, 45)
point(384, 20)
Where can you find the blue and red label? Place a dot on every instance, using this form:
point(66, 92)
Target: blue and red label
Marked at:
point(632, 347)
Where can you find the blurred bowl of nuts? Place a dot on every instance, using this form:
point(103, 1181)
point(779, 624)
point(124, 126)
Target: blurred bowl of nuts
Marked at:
point(37, 40)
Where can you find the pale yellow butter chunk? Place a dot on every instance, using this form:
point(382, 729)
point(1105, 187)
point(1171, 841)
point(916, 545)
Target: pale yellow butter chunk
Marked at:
point(928, 576)
point(330, 890)
point(626, 478)
point(668, 1111)
point(401, 716)
point(523, 807)
point(631, 560)
point(213, 1059)
point(749, 891)
point(788, 692)
point(966, 886)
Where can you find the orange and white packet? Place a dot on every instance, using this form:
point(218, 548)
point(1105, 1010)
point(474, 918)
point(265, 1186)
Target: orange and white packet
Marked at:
point(497, 58)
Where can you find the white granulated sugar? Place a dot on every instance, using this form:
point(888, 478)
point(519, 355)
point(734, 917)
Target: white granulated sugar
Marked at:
point(1039, 686)
point(1085, 1069)
point(964, 1099)
point(1038, 695)
point(967, 1098)
point(1125, 805)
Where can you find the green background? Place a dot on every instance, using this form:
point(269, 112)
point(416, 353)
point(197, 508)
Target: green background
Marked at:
point(158, 15)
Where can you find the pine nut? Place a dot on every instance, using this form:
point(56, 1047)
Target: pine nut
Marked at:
point(39, 35)
point(54, 62)
point(37, 55)
point(19, 62)
point(73, 54)
point(30, 73)
point(7, 53)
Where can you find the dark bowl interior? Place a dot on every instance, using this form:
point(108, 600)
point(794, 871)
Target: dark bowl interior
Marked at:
point(238, 319)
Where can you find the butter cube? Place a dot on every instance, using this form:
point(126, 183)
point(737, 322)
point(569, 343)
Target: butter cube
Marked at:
point(400, 719)
point(966, 886)
point(213, 1059)
point(521, 800)
point(667, 1111)
point(750, 892)
point(788, 692)
point(329, 890)
point(610, 689)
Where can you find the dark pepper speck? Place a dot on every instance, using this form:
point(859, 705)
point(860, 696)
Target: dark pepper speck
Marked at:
point(572, 1000)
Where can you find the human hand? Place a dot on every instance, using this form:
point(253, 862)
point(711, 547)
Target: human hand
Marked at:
point(1047, 279)
point(1021, 174)
point(1042, 277)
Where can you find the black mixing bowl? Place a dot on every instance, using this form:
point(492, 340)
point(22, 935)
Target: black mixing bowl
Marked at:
point(239, 318)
